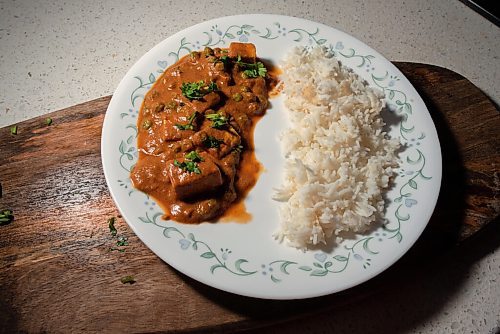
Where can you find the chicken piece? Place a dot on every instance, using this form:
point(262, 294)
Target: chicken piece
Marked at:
point(218, 142)
point(229, 164)
point(208, 101)
point(246, 51)
point(146, 174)
point(228, 139)
point(187, 184)
point(241, 122)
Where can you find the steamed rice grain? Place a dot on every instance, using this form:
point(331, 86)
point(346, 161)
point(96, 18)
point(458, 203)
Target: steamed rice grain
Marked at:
point(338, 158)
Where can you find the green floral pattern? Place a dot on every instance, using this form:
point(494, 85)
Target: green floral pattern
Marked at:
point(320, 264)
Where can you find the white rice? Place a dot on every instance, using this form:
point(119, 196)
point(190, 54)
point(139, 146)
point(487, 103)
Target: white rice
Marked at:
point(338, 158)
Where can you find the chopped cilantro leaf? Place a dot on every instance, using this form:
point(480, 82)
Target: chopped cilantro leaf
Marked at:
point(189, 125)
point(218, 120)
point(111, 224)
point(128, 279)
point(184, 126)
point(194, 156)
point(196, 90)
point(224, 59)
point(191, 162)
point(238, 148)
point(188, 166)
point(6, 216)
point(122, 241)
point(212, 142)
point(252, 70)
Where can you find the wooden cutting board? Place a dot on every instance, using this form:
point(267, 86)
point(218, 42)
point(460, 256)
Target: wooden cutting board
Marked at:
point(57, 273)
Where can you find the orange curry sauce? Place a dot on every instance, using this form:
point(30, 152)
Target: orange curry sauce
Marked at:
point(195, 134)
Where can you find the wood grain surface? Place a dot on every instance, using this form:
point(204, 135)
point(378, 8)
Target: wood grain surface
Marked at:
point(57, 273)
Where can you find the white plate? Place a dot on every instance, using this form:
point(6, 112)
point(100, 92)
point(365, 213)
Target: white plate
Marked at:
point(244, 258)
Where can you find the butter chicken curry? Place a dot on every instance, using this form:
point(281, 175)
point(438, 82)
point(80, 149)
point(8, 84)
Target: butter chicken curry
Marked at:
point(195, 132)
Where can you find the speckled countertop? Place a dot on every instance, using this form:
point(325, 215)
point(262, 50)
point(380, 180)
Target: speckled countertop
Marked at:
point(55, 54)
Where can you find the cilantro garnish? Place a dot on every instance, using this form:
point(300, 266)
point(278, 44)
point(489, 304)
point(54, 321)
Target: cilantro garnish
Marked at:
point(252, 70)
point(218, 120)
point(238, 148)
point(191, 162)
point(189, 125)
point(193, 156)
point(224, 59)
point(212, 142)
point(189, 166)
point(196, 90)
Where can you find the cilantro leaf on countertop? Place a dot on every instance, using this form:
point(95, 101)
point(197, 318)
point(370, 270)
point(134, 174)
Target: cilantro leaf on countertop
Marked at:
point(6, 216)
point(111, 224)
point(128, 279)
